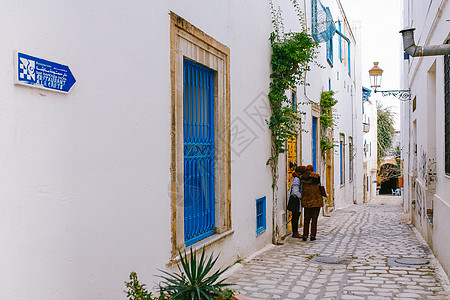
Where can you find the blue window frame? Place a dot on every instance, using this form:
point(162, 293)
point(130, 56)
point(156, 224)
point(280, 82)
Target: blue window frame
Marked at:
point(294, 99)
point(342, 159)
point(340, 42)
point(198, 136)
point(260, 215)
point(330, 51)
point(350, 158)
point(314, 143)
point(349, 63)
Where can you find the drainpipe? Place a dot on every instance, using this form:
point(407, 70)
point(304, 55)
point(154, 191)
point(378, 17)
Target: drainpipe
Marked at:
point(412, 49)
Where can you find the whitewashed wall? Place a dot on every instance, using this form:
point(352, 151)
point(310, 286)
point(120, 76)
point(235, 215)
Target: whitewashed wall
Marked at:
point(85, 176)
point(370, 110)
point(348, 108)
point(425, 77)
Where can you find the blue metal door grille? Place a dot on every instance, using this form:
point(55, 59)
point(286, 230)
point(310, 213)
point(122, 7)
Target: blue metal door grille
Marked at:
point(198, 126)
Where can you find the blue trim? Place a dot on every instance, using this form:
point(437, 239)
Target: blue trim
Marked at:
point(366, 94)
point(294, 100)
point(349, 62)
point(341, 161)
point(198, 136)
point(330, 52)
point(260, 215)
point(340, 42)
point(350, 154)
point(348, 45)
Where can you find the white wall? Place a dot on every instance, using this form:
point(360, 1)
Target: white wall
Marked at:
point(347, 109)
point(425, 77)
point(86, 175)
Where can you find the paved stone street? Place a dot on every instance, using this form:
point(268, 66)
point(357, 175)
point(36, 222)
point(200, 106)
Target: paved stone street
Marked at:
point(356, 256)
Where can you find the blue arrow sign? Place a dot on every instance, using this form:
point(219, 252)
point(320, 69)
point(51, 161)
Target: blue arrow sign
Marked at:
point(41, 73)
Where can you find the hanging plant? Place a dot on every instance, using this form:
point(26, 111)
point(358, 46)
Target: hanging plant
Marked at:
point(326, 144)
point(292, 54)
point(327, 119)
point(327, 101)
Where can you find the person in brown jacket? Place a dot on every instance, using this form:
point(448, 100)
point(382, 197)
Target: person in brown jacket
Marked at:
point(311, 200)
point(296, 208)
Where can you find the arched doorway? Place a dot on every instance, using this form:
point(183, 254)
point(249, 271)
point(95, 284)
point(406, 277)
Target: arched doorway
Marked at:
point(387, 177)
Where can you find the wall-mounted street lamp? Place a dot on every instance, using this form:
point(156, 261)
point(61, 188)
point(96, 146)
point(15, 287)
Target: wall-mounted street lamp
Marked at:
point(375, 82)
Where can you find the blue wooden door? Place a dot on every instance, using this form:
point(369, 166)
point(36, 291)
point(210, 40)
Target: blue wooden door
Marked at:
point(198, 126)
point(314, 143)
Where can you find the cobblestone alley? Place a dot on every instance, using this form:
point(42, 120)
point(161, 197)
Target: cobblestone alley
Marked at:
point(361, 252)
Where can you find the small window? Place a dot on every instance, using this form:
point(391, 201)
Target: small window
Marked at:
point(260, 215)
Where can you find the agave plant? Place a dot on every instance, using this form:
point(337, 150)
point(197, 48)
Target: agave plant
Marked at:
point(193, 282)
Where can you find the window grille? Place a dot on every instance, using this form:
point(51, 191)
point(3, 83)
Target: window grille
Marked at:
point(198, 131)
point(322, 27)
point(447, 111)
point(260, 215)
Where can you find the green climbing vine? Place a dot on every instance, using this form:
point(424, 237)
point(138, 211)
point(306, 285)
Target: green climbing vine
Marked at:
point(327, 119)
point(292, 54)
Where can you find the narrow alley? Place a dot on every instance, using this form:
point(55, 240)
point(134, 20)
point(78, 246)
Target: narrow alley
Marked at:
point(362, 252)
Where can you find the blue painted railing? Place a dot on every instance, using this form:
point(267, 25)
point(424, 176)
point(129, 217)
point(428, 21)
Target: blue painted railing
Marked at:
point(198, 129)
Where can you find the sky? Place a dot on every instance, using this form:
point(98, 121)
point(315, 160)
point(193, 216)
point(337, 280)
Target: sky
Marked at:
point(381, 21)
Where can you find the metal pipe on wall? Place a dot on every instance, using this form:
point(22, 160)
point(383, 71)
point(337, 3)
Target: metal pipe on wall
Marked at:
point(412, 49)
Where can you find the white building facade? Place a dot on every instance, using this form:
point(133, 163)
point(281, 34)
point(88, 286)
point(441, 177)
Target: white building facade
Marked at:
point(370, 144)
point(341, 172)
point(426, 127)
point(167, 115)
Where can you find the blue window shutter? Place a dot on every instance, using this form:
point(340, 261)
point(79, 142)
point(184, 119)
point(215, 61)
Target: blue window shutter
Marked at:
point(260, 215)
point(349, 64)
point(330, 51)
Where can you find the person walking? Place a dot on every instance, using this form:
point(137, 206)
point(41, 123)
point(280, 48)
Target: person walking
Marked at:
point(311, 200)
point(295, 203)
